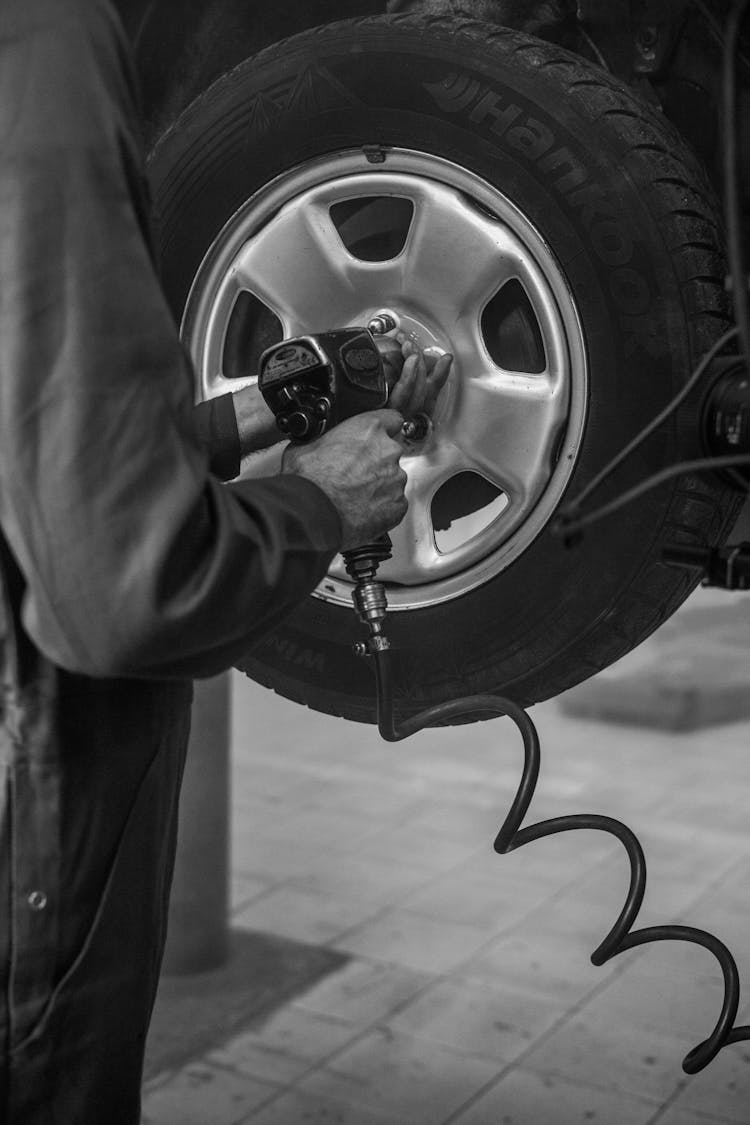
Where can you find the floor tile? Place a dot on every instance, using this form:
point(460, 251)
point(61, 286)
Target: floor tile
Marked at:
point(476, 822)
point(363, 991)
point(723, 1088)
point(304, 915)
point(294, 1108)
point(415, 941)
point(378, 881)
point(673, 986)
point(554, 862)
point(244, 889)
point(285, 1045)
point(200, 1094)
point(544, 964)
point(678, 1115)
point(436, 848)
point(346, 831)
point(584, 909)
point(525, 1098)
point(495, 1023)
point(273, 861)
point(613, 1053)
point(417, 1081)
point(494, 904)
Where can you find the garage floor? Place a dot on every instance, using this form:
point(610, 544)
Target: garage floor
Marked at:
point(463, 992)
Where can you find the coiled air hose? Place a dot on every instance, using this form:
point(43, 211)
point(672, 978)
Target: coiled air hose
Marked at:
point(511, 836)
point(371, 605)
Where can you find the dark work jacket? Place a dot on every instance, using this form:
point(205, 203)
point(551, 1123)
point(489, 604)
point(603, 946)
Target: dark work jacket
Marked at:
point(126, 569)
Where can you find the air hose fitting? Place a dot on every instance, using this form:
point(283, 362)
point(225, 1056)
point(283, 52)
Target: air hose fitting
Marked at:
point(369, 594)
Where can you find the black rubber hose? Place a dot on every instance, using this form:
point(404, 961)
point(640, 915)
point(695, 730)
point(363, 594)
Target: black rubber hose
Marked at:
point(511, 836)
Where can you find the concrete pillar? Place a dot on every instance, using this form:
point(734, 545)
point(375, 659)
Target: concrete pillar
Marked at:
point(198, 916)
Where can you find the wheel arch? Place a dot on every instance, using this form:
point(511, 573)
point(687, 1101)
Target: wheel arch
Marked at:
point(182, 46)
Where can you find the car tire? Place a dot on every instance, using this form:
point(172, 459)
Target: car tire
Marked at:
point(627, 219)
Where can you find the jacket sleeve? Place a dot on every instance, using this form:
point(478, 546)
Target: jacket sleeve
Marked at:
point(215, 424)
point(137, 561)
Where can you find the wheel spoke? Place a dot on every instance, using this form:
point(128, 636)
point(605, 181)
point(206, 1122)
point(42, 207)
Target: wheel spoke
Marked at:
point(211, 366)
point(455, 256)
point(218, 384)
point(300, 268)
point(506, 425)
point(415, 555)
point(416, 558)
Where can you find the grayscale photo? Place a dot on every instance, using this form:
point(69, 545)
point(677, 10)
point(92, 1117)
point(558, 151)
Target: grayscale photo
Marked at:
point(374, 562)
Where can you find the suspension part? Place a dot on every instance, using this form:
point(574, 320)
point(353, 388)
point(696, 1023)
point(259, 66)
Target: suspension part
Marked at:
point(725, 419)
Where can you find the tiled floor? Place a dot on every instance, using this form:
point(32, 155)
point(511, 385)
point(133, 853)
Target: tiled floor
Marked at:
point(469, 997)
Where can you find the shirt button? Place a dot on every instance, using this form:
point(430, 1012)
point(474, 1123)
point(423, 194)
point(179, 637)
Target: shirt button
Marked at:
point(37, 900)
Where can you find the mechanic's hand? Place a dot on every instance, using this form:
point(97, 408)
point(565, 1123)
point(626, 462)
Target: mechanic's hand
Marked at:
point(416, 379)
point(357, 466)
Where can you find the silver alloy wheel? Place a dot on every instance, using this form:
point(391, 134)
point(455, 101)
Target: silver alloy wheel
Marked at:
point(464, 242)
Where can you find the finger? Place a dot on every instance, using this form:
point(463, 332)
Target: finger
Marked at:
point(412, 389)
point(403, 392)
point(393, 363)
point(440, 371)
point(436, 380)
point(420, 387)
point(391, 421)
point(433, 358)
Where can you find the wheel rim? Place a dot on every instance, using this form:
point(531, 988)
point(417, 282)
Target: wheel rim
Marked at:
point(472, 276)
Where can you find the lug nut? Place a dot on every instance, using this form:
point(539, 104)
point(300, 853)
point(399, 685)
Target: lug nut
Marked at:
point(416, 429)
point(383, 323)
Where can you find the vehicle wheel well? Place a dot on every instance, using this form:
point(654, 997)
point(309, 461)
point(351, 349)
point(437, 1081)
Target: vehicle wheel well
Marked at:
point(178, 58)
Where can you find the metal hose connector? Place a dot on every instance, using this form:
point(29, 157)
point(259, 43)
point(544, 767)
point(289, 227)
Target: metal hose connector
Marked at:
point(370, 602)
point(369, 596)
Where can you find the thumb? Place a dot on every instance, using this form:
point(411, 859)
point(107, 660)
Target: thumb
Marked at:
point(391, 421)
point(388, 347)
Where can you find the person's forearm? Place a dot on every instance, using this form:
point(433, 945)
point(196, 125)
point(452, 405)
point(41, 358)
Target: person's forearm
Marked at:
point(231, 426)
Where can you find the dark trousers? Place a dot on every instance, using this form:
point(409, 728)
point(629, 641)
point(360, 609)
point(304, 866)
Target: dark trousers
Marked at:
point(91, 808)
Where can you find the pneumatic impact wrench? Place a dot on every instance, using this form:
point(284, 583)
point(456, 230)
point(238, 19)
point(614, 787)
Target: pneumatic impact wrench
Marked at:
point(314, 382)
